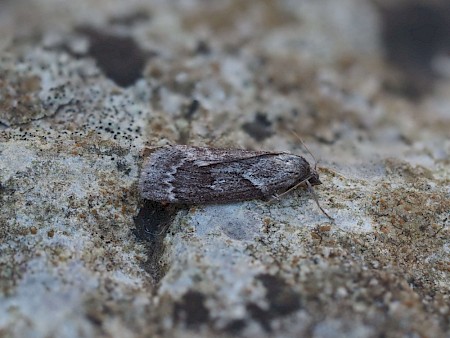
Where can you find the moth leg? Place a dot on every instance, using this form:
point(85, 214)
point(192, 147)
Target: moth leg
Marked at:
point(276, 196)
point(271, 198)
point(313, 193)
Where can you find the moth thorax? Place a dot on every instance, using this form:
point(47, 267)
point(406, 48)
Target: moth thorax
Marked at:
point(314, 177)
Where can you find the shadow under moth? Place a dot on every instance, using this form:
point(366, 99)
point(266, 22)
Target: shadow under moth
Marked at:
point(199, 175)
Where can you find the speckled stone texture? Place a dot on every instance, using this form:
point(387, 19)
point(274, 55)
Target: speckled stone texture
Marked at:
point(86, 87)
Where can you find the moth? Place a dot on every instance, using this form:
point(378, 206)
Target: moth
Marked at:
point(200, 175)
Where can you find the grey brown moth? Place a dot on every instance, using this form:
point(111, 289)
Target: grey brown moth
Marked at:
point(200, 175)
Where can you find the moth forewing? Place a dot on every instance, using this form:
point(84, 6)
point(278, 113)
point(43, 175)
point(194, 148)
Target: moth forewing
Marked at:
point(201, 175)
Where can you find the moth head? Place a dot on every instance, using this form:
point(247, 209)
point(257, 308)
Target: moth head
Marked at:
point(314, 177)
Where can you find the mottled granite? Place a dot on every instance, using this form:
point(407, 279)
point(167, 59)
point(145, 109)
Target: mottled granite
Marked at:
point(87, 86)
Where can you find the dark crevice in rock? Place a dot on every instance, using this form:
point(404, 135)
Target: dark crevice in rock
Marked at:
point(260, 128)
point(282, 299)
point(414, 33)
point(152, 223)
point(191, 310)
point(119, 57)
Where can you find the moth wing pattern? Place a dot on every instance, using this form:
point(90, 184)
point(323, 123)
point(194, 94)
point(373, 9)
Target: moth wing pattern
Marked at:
point(185, 174)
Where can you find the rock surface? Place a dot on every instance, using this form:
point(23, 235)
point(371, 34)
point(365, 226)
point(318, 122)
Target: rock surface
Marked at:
point(86, 86)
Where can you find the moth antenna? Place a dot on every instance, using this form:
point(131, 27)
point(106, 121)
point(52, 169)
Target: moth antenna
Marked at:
point(313, 193)
point(307, 149)
point(291, 188)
